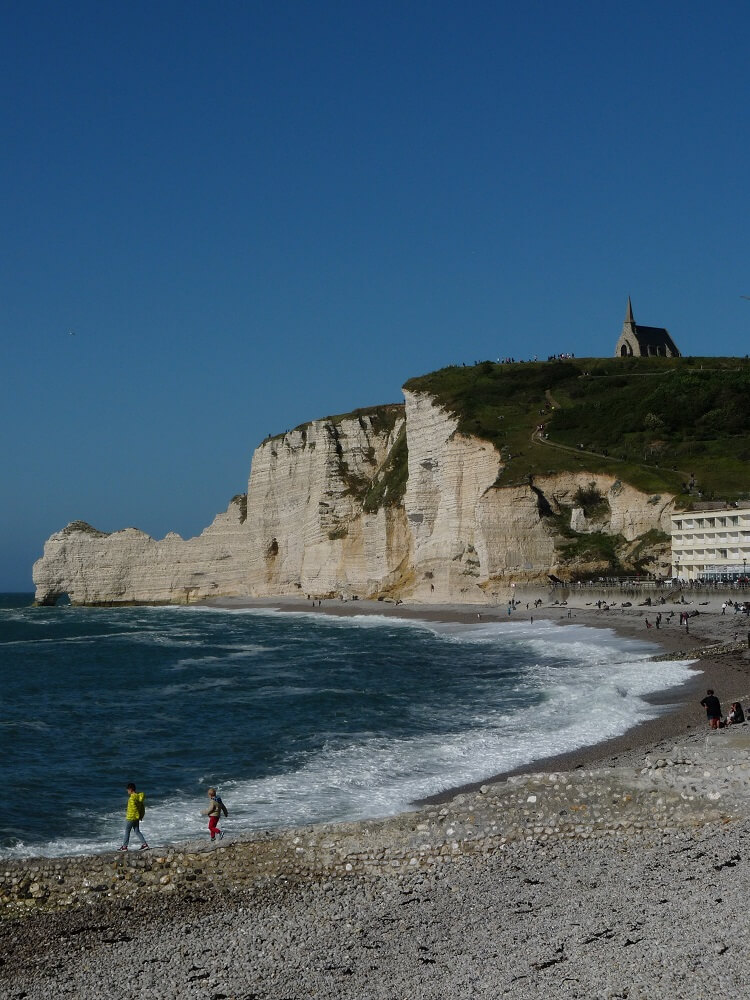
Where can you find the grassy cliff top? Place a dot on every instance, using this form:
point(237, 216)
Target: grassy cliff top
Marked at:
point(652, 422)
point(383, 418)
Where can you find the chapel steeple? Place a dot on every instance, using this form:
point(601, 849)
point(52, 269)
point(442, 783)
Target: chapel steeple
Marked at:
point(629, 321)
point(644, 341)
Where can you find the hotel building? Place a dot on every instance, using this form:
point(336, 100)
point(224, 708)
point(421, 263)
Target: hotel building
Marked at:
point(712, 543)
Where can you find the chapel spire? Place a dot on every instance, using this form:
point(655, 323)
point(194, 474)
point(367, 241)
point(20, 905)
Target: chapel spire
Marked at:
point(629, 314)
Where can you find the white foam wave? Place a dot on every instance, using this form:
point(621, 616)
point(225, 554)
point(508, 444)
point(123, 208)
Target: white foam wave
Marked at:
point(324, 620)
point(190, 687)
point(160, 639)
point(377, 776)
point(587, 684)
point(579, 703)
point(244, 649)
point(36, 724)
point(69, 639)
point(195, 661)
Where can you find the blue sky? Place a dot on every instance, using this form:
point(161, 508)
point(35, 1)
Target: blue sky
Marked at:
point(256, 214)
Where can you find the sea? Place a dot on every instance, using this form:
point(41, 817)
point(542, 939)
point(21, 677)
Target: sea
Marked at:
point(296, 718)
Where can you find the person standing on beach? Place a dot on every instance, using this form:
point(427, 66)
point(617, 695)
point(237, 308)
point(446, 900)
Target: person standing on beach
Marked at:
point(214, 811)
point(712, 706)
point(134, 814)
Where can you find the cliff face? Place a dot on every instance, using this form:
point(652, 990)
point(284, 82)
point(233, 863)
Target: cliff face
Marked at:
point(326, 512)
point(448, 507)
point(129, 566)
point(471, 538)
point(307, 524)
point(302, 528)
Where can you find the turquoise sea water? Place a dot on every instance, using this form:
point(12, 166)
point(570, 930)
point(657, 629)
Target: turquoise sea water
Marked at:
point(297, 718)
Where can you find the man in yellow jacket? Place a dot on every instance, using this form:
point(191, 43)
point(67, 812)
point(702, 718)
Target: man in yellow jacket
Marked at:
point(135, 812)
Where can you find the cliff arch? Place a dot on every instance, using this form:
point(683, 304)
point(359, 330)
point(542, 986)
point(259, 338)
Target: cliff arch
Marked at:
point(51, 597)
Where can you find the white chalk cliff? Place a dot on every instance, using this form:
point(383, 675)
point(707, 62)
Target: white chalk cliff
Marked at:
point(307, 527)
point(326, 513)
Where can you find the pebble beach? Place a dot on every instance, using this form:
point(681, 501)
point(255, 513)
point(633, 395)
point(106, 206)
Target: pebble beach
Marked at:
point(614, 871)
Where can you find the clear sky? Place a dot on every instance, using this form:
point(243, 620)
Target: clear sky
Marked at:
point(254, 214)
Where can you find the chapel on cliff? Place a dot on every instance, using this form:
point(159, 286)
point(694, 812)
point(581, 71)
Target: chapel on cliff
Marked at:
point(644, 341)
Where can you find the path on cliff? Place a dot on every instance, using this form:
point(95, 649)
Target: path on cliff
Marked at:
point(538, 436)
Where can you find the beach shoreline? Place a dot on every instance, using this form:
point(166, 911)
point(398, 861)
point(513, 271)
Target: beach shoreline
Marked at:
point(586, 876)
point(727, 673)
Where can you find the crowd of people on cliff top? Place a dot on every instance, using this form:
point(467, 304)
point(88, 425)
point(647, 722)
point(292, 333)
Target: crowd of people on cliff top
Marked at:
point(565, 356)
point(735, 716)
point(136, 810)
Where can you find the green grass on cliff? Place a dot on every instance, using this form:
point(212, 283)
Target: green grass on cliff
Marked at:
point(382, 418)
point(388, 488)
point(651, 422)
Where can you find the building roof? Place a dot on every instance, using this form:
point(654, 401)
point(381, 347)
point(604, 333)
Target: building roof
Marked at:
point(705, 506)
point(653, 336)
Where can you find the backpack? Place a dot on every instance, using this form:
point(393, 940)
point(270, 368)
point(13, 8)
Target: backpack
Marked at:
point(222, 807)
point(141, 805)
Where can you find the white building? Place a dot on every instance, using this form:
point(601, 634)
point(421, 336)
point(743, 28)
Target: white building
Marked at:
point(711, 544)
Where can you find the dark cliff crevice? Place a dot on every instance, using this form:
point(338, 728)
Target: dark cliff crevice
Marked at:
point(542, 503)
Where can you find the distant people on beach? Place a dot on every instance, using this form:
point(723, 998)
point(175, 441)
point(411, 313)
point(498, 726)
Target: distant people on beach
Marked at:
point(134, 813)
point(214, 812)
point(735, 716)
point(712, 706)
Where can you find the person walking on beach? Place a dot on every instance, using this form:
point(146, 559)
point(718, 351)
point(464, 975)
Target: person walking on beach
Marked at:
point(214, 811)
point(134, 814)
point(712, 706)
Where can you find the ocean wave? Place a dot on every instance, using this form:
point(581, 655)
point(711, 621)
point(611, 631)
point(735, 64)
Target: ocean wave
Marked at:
point(34, 724)
point(373, 775)
point(84, 639)
point(508, 694)
point(190, 687)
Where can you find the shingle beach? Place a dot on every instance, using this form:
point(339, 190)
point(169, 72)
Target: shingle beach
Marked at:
point(618, 871)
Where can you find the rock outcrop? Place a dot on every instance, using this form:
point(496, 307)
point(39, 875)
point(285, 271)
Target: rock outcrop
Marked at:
point(308, 524)
point(127, 567)
point(330, 509)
